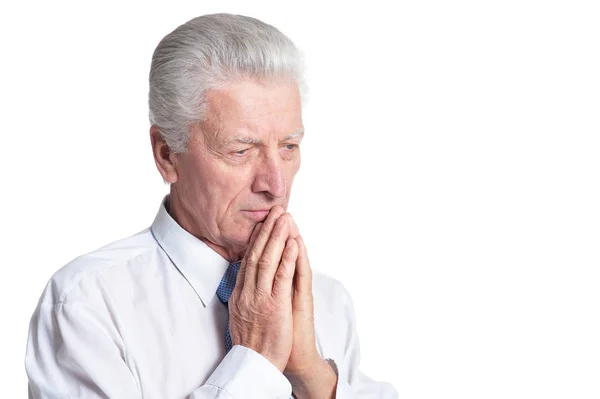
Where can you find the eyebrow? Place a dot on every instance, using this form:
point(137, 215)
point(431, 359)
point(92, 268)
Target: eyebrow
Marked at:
point(252, 140)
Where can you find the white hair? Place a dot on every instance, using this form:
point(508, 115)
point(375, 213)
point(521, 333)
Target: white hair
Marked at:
point(208, 52)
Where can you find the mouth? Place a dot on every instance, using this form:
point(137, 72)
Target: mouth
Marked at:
point(257, 216)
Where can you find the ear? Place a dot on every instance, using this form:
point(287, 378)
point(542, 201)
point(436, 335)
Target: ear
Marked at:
point(163, 156)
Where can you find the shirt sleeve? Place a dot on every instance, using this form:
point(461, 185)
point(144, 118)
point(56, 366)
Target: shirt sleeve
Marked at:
point(244, 373)
point(352, 382)
point(75, 351)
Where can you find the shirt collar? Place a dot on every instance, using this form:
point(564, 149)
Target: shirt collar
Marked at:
point(201, 266)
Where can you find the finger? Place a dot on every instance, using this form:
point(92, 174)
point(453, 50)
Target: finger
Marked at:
point(303, 277)
point(294, 232)
point(269, 262)
point(242, 273)
point(283, 280)
point(255, 251)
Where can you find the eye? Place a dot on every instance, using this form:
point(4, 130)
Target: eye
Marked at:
point(241, 152)
point(291, 146)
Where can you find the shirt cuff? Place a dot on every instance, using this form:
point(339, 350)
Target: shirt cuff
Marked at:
point(245, 373)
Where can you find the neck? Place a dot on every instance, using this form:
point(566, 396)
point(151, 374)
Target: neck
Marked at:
point(184, 218)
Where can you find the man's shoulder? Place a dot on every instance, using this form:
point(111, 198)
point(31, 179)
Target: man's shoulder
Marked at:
point(329, 290)
point(115, 257)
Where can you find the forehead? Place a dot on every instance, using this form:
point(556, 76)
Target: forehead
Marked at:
point(254, 108)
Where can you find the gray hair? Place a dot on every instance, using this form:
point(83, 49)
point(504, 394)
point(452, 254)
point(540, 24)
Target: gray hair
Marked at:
point(208, 52)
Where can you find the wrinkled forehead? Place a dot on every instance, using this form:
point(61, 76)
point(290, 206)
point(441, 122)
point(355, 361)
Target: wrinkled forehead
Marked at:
point(253, 108)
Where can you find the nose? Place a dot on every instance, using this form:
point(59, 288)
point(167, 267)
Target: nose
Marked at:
point(270, 176)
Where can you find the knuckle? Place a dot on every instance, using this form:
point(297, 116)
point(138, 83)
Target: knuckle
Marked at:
point(277, 287)
point(260, 294)
point(264, 231)
point(243, 301)
point(291, 224)
point(283, 275)
point(290, 254)
point(252, 257)
point(281, 220)
point(292, 245)
point(284, 222)
point(276, 232)
point(263, 263)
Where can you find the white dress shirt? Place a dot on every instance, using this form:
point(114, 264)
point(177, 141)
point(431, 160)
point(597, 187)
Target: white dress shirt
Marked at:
point(139, 318)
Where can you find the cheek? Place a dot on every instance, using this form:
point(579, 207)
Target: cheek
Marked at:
point(195, 176)
point(294, 167)
point(235, 188)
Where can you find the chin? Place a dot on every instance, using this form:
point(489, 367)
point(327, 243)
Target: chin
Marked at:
point(243, 232)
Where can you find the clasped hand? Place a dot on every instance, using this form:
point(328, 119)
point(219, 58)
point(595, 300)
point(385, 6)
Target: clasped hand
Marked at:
point(271, 308)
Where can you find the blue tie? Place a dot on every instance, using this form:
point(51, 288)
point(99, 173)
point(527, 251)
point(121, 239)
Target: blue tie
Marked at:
point(224, 293)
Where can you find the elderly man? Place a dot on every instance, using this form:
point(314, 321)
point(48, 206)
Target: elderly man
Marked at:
point(217, 298)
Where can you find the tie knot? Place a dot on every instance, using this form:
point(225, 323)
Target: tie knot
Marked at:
point(228, 282)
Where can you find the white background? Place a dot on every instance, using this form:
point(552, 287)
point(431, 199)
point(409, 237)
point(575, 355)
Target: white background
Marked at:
point(450, 177)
